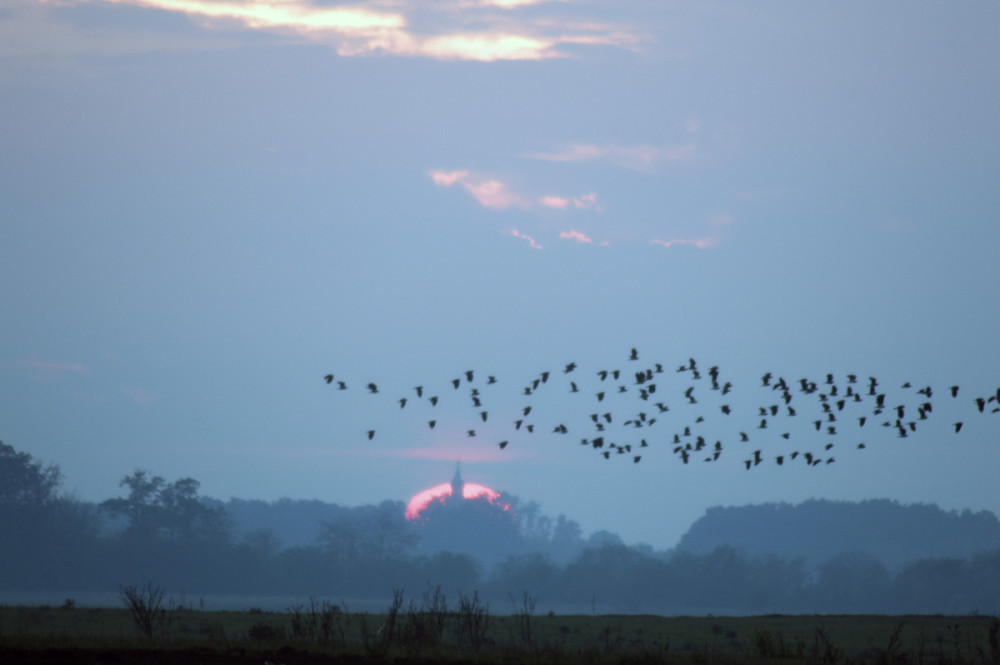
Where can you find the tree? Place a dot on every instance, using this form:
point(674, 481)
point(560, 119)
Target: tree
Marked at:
point(368, 534)
point(24, 483)
point(156, 510)
point(38, 526)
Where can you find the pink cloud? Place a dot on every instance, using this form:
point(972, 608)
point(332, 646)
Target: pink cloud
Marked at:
point(554, 202)
point(494, 194)
point(700, 243)
point(574, 235)
point(721, 219)
point(489, 192)
point(585, 201)
point(517, 234)
point(444, 452)
point(53, 367)
point(386, 27)
point(138, 395)
point(448, 178)
point(633, 157)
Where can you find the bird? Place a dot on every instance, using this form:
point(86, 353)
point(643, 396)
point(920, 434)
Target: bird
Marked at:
point(456, 382)
point(431, 423)
point(434, 400)
point(502, 444)
point(371, 434)
point(329, 378)
point(373, 388)
point(468, 376)
point(634, 355)
point(402, 402)
point(569, 368)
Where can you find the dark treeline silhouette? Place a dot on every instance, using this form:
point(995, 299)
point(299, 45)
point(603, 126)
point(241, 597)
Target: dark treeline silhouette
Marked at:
point(892, 533)
point(164, 531)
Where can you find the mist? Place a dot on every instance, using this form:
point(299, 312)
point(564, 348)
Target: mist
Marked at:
point(820, 556)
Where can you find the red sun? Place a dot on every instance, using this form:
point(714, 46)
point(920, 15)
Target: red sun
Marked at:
point(441, 493)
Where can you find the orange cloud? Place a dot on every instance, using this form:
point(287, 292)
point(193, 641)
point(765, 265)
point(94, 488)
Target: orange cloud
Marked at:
point(574, 235)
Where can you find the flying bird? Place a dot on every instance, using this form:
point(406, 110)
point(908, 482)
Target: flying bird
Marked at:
point(329, 378)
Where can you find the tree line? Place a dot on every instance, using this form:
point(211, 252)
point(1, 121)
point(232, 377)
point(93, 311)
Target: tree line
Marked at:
point(165, 531)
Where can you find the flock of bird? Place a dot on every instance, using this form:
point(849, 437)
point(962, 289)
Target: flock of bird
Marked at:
point(627, 411)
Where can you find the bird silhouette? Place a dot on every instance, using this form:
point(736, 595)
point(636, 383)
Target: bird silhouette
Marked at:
point(329, 378)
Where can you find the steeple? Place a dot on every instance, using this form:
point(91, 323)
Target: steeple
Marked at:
point(457, 483)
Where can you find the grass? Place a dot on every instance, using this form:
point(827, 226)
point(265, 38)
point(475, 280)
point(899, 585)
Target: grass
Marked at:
point(255, 636)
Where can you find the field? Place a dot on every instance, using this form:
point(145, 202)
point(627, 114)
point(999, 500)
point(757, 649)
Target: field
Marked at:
point(321, 633)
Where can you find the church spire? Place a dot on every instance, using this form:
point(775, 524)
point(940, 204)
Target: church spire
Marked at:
point(457, 483)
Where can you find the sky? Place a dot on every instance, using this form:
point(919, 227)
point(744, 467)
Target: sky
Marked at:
point(206, 206)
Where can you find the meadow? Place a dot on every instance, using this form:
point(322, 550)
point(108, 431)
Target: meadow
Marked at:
point(468, 632)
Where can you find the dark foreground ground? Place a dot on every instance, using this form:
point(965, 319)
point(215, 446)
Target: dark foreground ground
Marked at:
point(318, 634)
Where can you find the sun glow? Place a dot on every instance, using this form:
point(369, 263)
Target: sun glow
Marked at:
point(441, 493)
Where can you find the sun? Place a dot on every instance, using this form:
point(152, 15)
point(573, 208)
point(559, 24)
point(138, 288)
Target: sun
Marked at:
point(442, 492)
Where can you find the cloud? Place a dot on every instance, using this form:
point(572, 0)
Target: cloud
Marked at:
point(494, 194)
point(385, 27)
point(53, 367)
point(558, 202)
point(701, 243)
point(585, 201)
point(448, 178)
point(489, 192)
point(138, 395)
point(635, 157)
point(574, 235)
point(517, 234)
point(721, 219)
point(44, 371)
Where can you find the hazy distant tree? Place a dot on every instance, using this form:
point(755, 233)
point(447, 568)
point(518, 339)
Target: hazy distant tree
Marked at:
point(852, 582)
point(486, 530)
point(533, 573)
point(25, 485)
point(454, 572)
point(171, 512)
point(567, 540)
point(933, 586)
point(45, 539)
point(368, 534)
